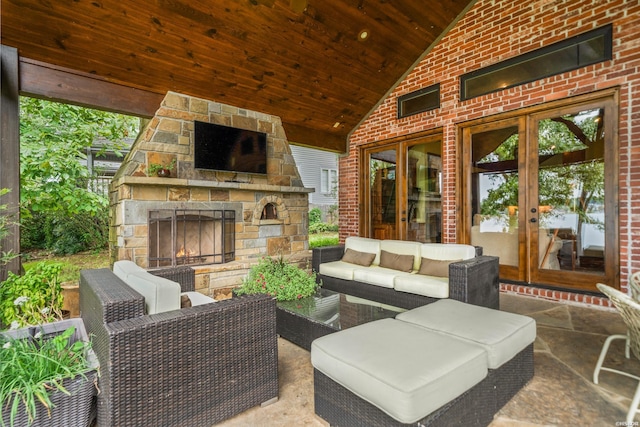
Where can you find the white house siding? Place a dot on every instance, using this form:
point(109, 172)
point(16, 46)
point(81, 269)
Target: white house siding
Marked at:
point(310, 162)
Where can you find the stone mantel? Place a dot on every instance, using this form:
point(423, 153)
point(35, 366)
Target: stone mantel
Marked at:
point(195, 183)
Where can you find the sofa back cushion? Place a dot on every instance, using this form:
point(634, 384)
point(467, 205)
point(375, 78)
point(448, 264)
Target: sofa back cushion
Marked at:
point(364, 244)
point(403, 247)
point(159, 294)
point(123, 268)
point(447, 251)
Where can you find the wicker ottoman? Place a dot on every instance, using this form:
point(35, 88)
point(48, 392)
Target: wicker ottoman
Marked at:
point(405, 378)
point(422, 368)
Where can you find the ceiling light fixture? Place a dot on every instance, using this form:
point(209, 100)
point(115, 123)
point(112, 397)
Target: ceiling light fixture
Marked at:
point(363, 35)
point(336, 124)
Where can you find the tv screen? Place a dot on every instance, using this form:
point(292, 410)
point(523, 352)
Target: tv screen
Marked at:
point(225, 148)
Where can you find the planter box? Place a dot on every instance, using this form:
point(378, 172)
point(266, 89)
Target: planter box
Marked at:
point(76, 410)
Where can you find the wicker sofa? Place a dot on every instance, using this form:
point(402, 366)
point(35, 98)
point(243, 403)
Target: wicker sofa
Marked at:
point(193, 366)
point(472, 277)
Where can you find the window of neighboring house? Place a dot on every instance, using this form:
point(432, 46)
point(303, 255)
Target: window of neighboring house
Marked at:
point(328, 180)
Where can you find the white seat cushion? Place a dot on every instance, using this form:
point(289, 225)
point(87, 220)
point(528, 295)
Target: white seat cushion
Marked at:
point(393, 365)
point(339, 269)
point(197, 298)
point(428, 286)
point(378, 276)
point(159, 294)
point(502, 334)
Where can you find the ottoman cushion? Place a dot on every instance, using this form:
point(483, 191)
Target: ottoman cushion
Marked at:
point(502, 334)
point(405, 370)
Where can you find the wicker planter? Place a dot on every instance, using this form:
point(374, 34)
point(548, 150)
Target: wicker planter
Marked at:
point(75, 410)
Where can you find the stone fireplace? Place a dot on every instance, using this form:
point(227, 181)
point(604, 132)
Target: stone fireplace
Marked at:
point(220, 223)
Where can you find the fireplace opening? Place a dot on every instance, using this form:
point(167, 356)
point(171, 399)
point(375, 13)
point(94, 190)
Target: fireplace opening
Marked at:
point(190, 237)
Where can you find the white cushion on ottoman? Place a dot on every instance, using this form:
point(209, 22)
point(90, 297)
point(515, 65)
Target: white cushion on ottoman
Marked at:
point(502, 334)
point(405, 370)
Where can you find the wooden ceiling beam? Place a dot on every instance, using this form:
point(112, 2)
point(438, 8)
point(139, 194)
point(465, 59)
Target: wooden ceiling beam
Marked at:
point(40, 80)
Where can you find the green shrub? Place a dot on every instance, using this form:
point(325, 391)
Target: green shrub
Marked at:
point(322, 227)
point(318, 240)
point(65, 235)
point(33, 298)
point(315, 216)
point(284, 281)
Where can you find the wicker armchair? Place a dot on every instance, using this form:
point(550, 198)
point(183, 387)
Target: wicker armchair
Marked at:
point(630, 311)
point(195, 366)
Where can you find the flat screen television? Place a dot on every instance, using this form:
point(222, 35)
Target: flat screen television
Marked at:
point(224, 148)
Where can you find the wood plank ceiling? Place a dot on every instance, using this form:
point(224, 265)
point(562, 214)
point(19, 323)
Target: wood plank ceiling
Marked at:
point(302, 60)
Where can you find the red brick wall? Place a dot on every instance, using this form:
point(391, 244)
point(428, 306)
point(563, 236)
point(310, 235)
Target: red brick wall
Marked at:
point(493, 31)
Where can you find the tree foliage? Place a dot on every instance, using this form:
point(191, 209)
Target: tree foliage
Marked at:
point(53, 142)
point(578, 184)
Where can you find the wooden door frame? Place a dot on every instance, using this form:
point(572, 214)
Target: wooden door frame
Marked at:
point(400, 144)
point(608, 99)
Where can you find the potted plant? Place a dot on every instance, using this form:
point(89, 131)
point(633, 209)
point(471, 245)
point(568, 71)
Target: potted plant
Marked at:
point(281, 280)
point(47, 375)
point(162, 169)
point(32, 298)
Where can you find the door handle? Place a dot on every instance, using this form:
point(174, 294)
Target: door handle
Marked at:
point(533, 220)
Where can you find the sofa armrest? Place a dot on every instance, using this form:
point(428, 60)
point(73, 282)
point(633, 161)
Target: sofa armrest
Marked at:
point(105, 298)
point(325, 254)
point(476, 281)
point(184, 275)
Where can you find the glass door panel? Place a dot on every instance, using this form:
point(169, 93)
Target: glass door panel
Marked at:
point(383, 195)
point(571, 182)
point(423, 216)
point(495, 194)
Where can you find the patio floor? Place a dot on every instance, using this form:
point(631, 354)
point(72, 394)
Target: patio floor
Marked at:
point(561, 392)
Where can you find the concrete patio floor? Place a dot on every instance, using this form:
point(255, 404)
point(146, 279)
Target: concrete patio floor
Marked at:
point(561, 393)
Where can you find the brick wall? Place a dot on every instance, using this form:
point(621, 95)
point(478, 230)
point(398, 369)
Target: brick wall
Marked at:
point(493, 31)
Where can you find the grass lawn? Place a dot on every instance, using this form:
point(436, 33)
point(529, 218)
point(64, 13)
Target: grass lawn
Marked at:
point(72, 264)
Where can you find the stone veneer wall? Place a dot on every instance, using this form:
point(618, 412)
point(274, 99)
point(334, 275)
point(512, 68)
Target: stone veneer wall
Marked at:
point(168, 137)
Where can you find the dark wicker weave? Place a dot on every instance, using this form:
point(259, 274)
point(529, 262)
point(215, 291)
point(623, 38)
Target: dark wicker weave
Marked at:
point(476, 407)
point(196, 366)
point(300, 330)
point(184, 275)
point(474, 281)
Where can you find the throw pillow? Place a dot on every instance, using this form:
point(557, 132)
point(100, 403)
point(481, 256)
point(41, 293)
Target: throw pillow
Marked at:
point(185, 301)
point(396, 261)
point(359, 258)
point(435, 267)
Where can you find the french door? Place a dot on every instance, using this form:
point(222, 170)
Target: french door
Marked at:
point(540, 193)
point(402, 198)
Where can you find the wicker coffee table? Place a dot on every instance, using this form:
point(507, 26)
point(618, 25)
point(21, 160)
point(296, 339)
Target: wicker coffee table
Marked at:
point(304, 320)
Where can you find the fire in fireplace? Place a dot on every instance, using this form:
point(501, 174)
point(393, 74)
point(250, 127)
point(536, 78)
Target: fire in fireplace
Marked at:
point(190, 236)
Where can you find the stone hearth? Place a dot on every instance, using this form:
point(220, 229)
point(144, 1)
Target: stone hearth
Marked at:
point(270, 210)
